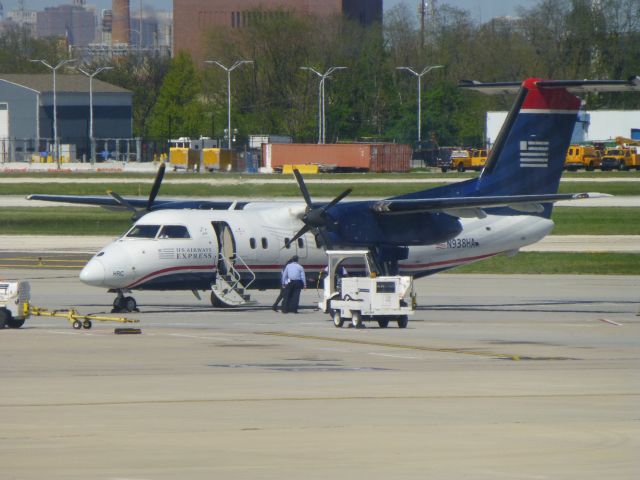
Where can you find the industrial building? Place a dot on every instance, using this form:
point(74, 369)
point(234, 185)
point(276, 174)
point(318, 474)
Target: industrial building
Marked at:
point(73, 22)
point(592, 126)
point(193, 18)
point(26, 114)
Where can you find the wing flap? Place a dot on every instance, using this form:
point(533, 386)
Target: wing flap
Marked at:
point(102, 201)
point(111, 203)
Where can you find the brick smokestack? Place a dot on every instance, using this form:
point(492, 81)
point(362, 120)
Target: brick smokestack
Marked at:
point(121, 27)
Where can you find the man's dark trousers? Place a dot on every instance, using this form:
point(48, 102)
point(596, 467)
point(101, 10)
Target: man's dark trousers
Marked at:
point(292, 296)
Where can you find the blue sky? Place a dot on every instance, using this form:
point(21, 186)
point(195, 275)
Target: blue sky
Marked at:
point(480, 9)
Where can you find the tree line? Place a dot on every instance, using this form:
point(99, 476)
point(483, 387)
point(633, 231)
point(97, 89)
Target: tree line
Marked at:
point(371, 99)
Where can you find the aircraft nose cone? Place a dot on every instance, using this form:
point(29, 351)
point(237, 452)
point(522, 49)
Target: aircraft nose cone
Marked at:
point(93, 273)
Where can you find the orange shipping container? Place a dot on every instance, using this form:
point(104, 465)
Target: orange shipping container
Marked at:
point(373, 157)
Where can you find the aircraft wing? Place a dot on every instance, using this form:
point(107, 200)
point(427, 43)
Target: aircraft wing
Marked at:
point(112, 204)
point(472, 206)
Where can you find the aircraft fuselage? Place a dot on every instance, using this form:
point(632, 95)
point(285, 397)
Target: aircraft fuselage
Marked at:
point(180, 249)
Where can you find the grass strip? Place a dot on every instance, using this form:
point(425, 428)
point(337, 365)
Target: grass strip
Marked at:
point(97, 221)
point(75, 221)
point(579, 263)
point(596, 221)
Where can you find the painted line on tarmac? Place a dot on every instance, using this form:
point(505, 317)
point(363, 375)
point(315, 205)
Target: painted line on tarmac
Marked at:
point(338, 398)
point(49, 267)
point(459, 351)
point(391, 355)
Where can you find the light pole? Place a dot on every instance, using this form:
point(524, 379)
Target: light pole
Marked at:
point(91, 75)
point(55, 109)
point(321, 110)
point(419, 75)
point(140, 25)
point(229, 70)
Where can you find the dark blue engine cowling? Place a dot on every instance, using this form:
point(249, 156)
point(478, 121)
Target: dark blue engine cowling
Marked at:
point(358, 226)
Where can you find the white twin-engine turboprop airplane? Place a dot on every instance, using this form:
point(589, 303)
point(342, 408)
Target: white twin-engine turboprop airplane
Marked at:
point(229, 247)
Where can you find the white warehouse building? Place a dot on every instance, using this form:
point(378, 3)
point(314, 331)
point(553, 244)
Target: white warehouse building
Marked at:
point(598, 125)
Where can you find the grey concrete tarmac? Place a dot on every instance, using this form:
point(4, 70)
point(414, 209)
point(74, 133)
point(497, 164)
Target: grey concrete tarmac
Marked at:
point(514, 377)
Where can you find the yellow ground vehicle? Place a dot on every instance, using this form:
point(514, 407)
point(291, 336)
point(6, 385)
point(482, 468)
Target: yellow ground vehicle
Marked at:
point(190, 154)
point(620, 158)
point(582, 156)
point(462, 160)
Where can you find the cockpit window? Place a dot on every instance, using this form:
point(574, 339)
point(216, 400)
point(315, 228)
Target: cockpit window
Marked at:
point(143, 231)
point(174, 231)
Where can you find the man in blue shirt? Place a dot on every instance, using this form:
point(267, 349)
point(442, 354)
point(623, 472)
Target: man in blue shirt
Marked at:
point(294, 280)
point(282, 286)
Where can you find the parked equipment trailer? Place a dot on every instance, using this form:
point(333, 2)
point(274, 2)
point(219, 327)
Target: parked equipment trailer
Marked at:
point(15, 308)
point(366, 297)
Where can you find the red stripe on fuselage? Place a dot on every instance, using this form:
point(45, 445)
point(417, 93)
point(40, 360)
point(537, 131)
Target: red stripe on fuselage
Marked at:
point(158, 273)
point(276, 268)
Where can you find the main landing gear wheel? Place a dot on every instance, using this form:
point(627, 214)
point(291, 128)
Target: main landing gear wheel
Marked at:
point(338, 321)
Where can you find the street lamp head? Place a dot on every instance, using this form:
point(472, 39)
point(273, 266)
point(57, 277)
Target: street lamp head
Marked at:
point(432, 67)
point(232, 67)
point(408, 69)
point(95, 72)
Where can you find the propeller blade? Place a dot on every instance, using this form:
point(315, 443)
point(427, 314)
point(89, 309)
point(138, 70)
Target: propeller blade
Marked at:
point(316, 219)
point(156, 186)
point(337, 199)
point(303, 188)
point(122, 201)
point(300, 233)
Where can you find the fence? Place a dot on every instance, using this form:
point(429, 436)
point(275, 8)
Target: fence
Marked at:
point(42, 150)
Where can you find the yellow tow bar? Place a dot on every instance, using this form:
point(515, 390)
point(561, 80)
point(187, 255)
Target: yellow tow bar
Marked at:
point(77, 320)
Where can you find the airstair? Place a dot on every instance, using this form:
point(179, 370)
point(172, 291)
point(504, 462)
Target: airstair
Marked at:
point(229, 289)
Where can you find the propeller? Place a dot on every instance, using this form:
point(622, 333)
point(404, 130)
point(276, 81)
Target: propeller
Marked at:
point(315, 218)
point(155, 188)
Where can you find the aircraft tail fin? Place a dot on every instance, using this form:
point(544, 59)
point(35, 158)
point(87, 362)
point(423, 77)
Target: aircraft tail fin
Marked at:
point(528, 155)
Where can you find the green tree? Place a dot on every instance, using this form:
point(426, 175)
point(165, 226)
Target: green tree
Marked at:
point(178, 110)
point(17, 47)
point(144, 76)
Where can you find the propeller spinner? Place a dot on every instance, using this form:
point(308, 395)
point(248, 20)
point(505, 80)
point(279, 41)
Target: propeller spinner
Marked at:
point(138, 213)
point(315, 218)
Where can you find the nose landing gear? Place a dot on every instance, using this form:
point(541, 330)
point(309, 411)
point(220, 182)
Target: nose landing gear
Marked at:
point(124, 304)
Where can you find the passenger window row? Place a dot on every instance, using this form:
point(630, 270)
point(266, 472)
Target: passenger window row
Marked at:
point(265, 243)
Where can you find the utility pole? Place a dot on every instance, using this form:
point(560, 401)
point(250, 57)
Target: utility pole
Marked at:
point(61, 63)
point(425, 70)
point(321, 109)
point(229, 70)
point(92, 148)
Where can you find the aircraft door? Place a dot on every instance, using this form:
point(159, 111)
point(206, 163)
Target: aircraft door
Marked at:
point(226, 244)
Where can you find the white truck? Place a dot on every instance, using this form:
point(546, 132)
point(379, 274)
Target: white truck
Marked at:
point(14, 302)
point(368, 296)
